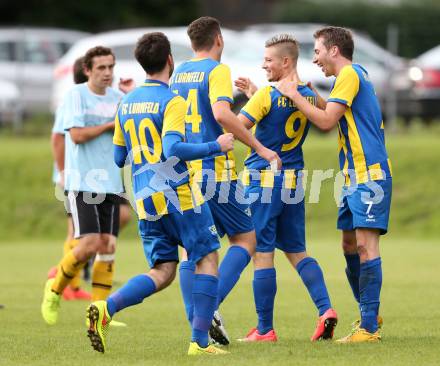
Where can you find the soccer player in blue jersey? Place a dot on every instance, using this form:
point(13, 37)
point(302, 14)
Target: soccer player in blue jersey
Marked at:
point(366, 195)
point(206, 85)
point(150, 131)
point(277, 206)
point(92, 180)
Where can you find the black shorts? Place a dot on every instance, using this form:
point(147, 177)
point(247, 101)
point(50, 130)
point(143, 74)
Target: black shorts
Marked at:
point(94, 213)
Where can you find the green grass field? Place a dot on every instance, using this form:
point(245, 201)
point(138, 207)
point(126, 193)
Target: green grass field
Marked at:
point(157, 331)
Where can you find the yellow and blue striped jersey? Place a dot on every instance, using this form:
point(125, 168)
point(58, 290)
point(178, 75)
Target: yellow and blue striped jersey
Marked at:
point(144, 116)
point(361, 129)
point(203, 82)
point(281, 127)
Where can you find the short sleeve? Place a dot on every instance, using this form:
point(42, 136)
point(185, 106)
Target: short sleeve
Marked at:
point(118, 136)
point(74, 110)
point(258, 106)
point(346, 87)
point(220, 84)
point(174, 117)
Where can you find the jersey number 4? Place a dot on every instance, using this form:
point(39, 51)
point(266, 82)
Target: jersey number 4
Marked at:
point(151, 153)
point(295, 135)
point(192, 117)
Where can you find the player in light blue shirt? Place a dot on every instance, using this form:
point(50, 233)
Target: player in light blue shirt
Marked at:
point(90, 166)
point(92, 180)
point(73, 291)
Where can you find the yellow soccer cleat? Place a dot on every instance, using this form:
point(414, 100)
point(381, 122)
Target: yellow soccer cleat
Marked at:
point(113, 323)
point(50, 304)
point(360, 335)
point(195, 350)
point(117, 324)
point(357, 323)
point(99, 322)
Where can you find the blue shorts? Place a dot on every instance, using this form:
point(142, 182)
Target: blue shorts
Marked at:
point(366, 206)
point(277, 224)
point(225, 199)
point(194, 231)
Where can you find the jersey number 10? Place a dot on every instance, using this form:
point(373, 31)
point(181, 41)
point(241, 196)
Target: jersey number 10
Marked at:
point(151, 154)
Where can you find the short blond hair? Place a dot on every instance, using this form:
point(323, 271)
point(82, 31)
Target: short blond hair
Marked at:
point(287, 43)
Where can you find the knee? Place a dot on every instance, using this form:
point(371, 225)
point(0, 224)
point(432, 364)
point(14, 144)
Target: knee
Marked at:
point(362, 251)
point(107, 244)
point(163, 275)
point(90, 245)
point(349, 245)
point(263, 260)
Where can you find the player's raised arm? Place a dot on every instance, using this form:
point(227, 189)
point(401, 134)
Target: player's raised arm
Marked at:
point(173, 136)
point(324, 119)
point(246, 86)
point(230, 122)
point(321, 103)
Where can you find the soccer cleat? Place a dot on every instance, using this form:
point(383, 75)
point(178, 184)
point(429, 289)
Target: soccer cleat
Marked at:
point(360, 335)
point(52, 272)
point(78, 294)
point(325, 326)
point(99, 322)
point(50, 304)
point(217, 331)
point(117, 324)
point(195, 350)
point(113, 323)
point(357, 323)
point(255, 336)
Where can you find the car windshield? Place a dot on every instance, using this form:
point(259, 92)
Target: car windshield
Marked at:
point(126, 52)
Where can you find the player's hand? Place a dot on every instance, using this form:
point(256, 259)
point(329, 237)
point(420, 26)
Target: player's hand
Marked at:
point(246, 86)
point(226, 142)
point(270, 156)
point(126, 85)
point(310, 85)
point(110, 126)
point(288, 87)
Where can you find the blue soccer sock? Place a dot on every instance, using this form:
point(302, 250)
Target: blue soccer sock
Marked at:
point(312, 276)
point(353, 271)
point(186, 273)
point(234, 262)
point(265, 288)
point(132, 293)
point(370, 283)
point(205, 289)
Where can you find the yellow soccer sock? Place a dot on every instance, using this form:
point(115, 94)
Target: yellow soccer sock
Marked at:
point(102, 279)
point(76, 280)
point(66, 246)
point(67, 269)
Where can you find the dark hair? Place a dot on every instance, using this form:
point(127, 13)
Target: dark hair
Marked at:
point(94, 52)
point(78, 71)
point(152, 51)
point(202, 33)
point(339, 37)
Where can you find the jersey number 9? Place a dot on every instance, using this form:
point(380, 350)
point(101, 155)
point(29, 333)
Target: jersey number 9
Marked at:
point(295, 135)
